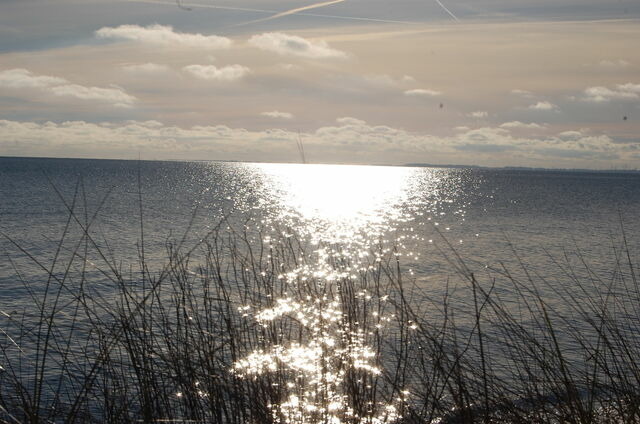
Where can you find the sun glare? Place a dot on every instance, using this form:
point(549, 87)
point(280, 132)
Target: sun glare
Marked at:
point(350, 206)
point(339, 199)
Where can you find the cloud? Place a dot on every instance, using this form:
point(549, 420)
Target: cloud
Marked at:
point(571, 135)
point(601, 94)
point(484, 148)
point(163, 35)
point(543, 105)
point(289, 67)
point(479, 114)
point(347, 120)
point(124, 139)
point(518, 124)
point(629, 87)
point(213, 73)
point(571, 150)
point(114, 95)
point(612, 65)
point(145, 68)
point(422, 92)
point(277, 114)
point(22, 78)
point(293, 45)
point(523, 93)
point(350, 139)
point(384, 80)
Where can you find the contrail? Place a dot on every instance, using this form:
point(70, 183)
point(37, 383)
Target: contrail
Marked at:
point(294, 11)
point(302, 9)
point(207, 6)
point(448, 11)
point(273, 12)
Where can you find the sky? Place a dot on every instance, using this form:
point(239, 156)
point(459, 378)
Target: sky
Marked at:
point(542, 83)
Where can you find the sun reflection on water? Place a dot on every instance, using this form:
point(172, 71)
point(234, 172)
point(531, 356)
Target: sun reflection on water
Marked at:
point(317, 368)
point(338, 201)
point(344, 211)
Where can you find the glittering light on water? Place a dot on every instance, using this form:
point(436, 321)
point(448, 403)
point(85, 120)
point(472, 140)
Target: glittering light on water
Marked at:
point(317, 367)
point(339, 200)
point(349, 215)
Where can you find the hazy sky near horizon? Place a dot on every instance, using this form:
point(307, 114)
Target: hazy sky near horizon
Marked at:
point(486, 82)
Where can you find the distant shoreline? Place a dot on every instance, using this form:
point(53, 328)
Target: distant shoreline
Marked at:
point(524, 168)
point(410, 165)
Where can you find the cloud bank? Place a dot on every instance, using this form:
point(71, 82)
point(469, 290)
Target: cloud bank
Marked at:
point(349, 138)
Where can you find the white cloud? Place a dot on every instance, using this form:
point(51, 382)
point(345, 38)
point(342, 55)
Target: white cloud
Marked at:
point(524, 93)
point(124, 139)
point(381, 80)
point(543, 105)
point(347, 140)
point(518, 124)
point(22, 78)
point(211, 72)
point(571, 135)
point(422, 92)
point(114, 95)
point(611, 65)
point(385, 80)
point(289, 67)
point(277, 114)
point(601, 94)
point(347, 120)
point(146, 68)
point(163, 35)
point(479, 114)
point(293, 45)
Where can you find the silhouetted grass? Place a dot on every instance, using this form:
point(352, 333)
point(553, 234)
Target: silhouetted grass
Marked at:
point(99, 343)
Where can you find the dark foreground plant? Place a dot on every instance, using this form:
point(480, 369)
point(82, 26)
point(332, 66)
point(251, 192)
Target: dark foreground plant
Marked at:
point(250, 326)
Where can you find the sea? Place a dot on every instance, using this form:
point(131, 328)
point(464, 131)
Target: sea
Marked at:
point(490, 217)
point(557, 233)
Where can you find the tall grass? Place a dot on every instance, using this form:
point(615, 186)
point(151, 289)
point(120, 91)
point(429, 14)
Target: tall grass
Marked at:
point(232, 329)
